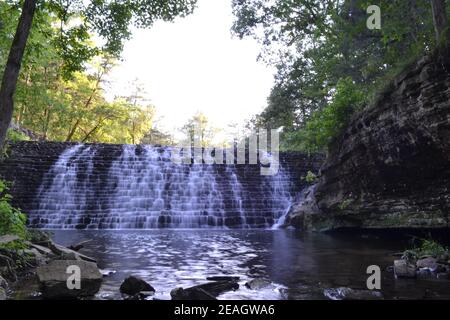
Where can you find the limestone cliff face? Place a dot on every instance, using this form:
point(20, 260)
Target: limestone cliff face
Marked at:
point(390, 168)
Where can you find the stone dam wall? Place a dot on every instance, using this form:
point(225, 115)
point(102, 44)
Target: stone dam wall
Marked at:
point(116, 186)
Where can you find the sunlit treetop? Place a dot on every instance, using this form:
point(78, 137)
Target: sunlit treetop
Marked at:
point(108, 21)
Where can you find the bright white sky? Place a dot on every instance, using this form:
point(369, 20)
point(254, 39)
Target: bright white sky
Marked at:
point(194, 64)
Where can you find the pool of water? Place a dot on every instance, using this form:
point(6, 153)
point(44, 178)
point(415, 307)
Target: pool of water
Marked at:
point(300, 266)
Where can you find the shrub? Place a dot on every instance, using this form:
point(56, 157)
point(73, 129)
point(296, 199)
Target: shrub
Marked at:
point(432, 248)
point(427, 247)
point(310, 177)
point(12, 221)
point(14, 136)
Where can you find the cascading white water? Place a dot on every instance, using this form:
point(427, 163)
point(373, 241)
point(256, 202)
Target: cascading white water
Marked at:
point(151, 192)
point(281, 197)
point(143, 188)
point(64, 198)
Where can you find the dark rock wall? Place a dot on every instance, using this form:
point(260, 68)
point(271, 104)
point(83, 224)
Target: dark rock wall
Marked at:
point(391, 167)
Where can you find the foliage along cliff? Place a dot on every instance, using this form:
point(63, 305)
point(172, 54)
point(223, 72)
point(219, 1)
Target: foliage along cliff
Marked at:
point(390, 167)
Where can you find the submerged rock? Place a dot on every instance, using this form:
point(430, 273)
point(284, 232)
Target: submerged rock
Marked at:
point(429, 263)
point(344, 293)
point(404, 269)
point(107, 272)
point(222, 278)
point(191, 294)
point(2, 294)
point(257, 284)
point(207, 291)
point(80, 245)
point(53, 279)
point(133, 286)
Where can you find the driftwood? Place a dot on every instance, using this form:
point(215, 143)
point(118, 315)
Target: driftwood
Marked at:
point(79, 245)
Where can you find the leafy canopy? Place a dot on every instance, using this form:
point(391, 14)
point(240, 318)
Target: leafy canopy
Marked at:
point(317, 45)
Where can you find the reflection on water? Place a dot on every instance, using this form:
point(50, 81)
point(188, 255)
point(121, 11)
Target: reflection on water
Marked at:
point(299, 265)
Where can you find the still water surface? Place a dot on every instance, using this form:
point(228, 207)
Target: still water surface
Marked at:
point(300, 266)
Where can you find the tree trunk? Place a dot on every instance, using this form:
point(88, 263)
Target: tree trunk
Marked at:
point(72, 131)
point(12, 69)
point(440, 21)
point(93, 130)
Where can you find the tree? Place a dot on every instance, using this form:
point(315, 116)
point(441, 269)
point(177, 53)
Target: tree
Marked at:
point(111, 20)
point(154, 136)
point(440, 21)
point(12, 69)
point(317, 44)
point(442, 30)
point(199, 131)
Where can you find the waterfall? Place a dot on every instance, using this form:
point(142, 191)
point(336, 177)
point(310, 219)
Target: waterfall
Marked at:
point(299, 199)
point(142, 188)
point(64, 198)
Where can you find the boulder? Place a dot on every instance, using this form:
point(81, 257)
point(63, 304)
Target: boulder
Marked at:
point(344, 293)
point(53, 279)
point(222, 278)
point(428, 263)
point(443, 258)
point(257, 284)
point(133, 285)
point(2, 294)
point(193, 293)
point(68, 254)
point(206, 291)
point(41, 249)
point(37, 257)
point(404, 269)
point(38, 236)
point(8, 238)
point(3, 283)
point(56, 251)
point(216, 288)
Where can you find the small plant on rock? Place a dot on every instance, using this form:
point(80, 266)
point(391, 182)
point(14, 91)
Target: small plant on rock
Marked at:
point(310, 177)
point(427, 247)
